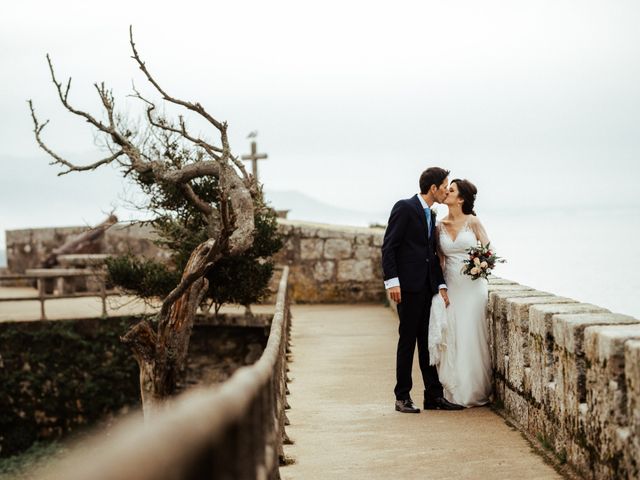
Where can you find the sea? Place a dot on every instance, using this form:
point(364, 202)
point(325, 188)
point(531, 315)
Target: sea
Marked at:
point(588, 254)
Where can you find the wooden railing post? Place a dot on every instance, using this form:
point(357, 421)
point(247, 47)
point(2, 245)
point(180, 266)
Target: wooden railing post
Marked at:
point(40, 284)
point(103, 295)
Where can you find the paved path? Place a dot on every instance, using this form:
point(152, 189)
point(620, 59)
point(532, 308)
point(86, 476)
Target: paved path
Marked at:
point(85, 307)
point(342, 418)
point(65, 308)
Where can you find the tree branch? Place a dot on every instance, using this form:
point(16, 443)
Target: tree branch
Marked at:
point(37, 129)
point(195, 107)
point(200, 204)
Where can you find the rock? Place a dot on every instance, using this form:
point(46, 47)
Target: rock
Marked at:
point(311, 248)
point(363, 240)
point(570, 365)
point(499, 326)
point(363, 252)
point(337, 248)
point(354, 270)
point(632, 377)
point(519, 341)
point(324, 271)
point(542, 344)
point(606, 389)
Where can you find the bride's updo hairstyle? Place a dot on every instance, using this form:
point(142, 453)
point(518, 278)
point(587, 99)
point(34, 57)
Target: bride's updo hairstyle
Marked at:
point(466, 191)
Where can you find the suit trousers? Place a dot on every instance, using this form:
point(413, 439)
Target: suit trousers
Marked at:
point(413, 311)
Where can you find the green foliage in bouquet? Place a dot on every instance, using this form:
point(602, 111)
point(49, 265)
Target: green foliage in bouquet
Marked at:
point(181, 227)
point(482, 260)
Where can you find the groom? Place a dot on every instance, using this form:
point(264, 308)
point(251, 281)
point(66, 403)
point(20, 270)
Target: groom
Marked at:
point(412, 275)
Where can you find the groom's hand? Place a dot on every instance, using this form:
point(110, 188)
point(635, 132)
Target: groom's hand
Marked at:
point(445, 296)
point(394, 293)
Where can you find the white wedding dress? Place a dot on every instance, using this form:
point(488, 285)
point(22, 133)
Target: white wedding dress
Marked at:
point(458, 335)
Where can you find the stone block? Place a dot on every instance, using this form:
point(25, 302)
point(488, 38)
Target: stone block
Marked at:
point(500, 281)
point(363, 239)
point(579, 456)
point(568, 329)
point(607, 425)
point(498, 323)
point(311, 248)
point(324, 271)
point(507, 287)
point(302, 285)
point(326, 233)
point(569, 362)
point(362, 252)
point(632, 378)
point(538, 424)
point(499, 294)
point(542, 343)
point(355, 271)
point(305, 231)
point(285, 229)
point(377, 240)
point(344, 235)
point(518, 342)
point(516, 406)
point(498, 390)
point(337, 248)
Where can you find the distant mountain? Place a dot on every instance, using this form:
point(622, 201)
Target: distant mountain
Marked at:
point(304, 207)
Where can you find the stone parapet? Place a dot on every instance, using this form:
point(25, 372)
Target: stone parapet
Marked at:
point(568, 373)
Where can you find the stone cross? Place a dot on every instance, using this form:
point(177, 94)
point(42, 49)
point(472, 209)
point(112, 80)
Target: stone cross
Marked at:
point(254, 156)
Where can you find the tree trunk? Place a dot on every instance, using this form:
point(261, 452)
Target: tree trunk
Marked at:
point(162, 354)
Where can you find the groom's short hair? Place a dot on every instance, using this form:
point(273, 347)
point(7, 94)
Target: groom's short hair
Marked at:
point(432, 176)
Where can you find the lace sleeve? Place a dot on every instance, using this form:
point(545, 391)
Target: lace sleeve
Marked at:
point(480, 232)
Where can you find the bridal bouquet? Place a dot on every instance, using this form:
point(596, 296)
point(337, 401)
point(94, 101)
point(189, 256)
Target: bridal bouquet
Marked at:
point(481, 261)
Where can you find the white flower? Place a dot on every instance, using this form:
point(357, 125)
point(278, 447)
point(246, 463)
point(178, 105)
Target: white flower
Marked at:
point(476, 260)
point(484, 264)
point(474, 271)
point(434, 211)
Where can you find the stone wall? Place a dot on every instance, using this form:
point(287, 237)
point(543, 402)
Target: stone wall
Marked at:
point(331, 263)
point(328, 263)
point(568, 373)
point(28, 248)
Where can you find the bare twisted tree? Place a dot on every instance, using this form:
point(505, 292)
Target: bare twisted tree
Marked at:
point(161, 350)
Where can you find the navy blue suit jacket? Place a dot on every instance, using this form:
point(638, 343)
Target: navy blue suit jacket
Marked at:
point(408, 252)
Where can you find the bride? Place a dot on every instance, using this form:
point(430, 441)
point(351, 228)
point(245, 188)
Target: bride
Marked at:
point(461, 348)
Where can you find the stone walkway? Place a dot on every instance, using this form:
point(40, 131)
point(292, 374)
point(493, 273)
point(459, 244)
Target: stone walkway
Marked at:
point(342, 417)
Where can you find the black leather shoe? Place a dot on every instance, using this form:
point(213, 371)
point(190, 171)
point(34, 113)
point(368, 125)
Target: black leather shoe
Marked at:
point(441, 403)
point(406, 406)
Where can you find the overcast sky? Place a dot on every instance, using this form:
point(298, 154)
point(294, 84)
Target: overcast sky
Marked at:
point(536, 102)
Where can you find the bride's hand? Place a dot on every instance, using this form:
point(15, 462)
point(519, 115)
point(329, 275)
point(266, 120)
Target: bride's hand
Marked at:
point(445, 296)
